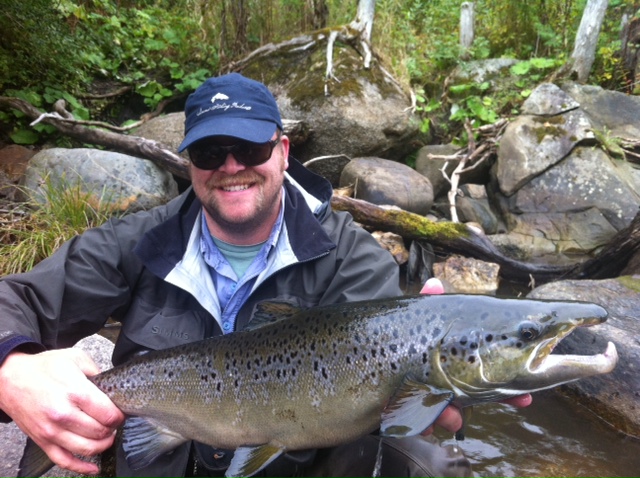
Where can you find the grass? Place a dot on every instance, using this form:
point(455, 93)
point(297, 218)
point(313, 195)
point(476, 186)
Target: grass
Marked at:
point(33, 232)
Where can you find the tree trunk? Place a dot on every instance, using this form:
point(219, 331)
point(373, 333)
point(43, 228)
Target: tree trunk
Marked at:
point(584, 51)
point(467, 17)
point(364, 18)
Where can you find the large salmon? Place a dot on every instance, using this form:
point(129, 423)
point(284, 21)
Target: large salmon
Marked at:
point(329, 375)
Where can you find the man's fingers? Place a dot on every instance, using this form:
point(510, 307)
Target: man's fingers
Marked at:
point(520, 401)
point(67, 460)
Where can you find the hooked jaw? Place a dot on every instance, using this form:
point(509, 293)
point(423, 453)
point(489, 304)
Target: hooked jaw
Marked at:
point(555, 369)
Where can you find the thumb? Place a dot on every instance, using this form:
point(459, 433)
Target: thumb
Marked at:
point(84, 361)
point(432, 286)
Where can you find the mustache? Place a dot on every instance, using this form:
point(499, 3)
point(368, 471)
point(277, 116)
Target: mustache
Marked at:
point(224, 180)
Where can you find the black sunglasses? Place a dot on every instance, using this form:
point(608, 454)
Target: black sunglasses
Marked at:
point(211, 156)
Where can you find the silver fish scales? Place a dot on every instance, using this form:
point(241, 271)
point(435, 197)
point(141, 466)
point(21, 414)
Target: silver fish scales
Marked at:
point(328, 375)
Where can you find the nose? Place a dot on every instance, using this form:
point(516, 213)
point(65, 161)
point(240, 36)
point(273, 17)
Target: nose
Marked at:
point(231, 165)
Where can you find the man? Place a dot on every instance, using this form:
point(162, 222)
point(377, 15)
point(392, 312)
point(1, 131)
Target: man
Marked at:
point(256, 225)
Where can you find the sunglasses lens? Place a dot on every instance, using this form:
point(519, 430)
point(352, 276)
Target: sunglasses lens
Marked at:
point(252, 154)
point(212, 156)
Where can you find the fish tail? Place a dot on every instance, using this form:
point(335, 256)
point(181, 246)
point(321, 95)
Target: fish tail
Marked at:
point(34, 461)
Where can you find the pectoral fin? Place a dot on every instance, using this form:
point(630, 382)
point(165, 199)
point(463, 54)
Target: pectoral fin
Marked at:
point(247, 461)
point(144, 440)
point(413, 408)
point(466, 416)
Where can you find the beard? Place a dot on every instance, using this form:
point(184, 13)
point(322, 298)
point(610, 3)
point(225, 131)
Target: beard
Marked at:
point(242, 217)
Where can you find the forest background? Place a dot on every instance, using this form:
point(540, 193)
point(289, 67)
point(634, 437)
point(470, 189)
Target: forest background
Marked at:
point(155, 52)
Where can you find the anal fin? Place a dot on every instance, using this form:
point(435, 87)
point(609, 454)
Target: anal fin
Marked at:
point(249, 460)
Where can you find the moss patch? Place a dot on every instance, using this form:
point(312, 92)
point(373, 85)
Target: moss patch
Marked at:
point(630, 282)
point(301, 70)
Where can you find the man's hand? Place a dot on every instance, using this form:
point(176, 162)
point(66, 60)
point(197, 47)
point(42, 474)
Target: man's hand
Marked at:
point(451, 418)
point(50, 398)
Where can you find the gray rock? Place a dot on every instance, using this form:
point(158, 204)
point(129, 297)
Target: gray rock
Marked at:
point(384, 182)
point(167, 129)
point(467, 275)
point(362, 112)
point(548, 100)
point(614, 396)
point(609, 111)
point(587, 178)
point(533, 144)
point(430, 166)
point(125, 182)
point(483, 70)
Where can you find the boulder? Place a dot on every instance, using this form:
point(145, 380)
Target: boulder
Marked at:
point(384, 182)
point(358, 112)
point(614, 396)
point(124, 182)
point(560, 196)
point(467, 275)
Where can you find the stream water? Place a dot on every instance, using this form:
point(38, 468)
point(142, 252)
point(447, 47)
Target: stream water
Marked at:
point(551, 437)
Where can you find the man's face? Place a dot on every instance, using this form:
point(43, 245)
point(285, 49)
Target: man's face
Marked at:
point(241, 202)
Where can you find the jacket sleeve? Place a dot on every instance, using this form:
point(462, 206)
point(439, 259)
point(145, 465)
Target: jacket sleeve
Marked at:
point(363, 269)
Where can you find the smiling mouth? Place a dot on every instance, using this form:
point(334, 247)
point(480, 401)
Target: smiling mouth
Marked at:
point(235, 188)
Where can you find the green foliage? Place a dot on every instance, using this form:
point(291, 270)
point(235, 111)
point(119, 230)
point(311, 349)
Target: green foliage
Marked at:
point(164, 49)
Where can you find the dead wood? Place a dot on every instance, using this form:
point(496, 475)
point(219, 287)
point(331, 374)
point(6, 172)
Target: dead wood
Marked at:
point(614, 257)
point(89, 132)
point(133, 145)
point(448, 236)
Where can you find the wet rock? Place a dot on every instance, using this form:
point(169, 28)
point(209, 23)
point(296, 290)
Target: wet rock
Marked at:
point(615, 397)
point(467, 275)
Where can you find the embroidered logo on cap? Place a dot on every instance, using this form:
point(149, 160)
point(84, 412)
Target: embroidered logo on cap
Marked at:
point(219, 96)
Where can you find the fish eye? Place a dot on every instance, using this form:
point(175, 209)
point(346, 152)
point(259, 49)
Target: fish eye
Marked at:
point(528, 331)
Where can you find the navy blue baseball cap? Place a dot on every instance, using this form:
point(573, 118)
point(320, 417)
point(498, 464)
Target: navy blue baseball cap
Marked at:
point(230, 105)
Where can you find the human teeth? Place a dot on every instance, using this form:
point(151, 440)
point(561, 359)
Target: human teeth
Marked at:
point(236, 188)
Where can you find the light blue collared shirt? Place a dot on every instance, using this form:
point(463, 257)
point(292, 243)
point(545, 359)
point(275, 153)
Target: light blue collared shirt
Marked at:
point(232, 291)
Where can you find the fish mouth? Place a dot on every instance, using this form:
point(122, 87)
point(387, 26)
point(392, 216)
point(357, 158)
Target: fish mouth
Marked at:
point(561, 368)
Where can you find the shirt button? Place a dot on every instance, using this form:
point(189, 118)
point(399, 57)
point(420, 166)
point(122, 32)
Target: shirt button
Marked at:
point(227, 327)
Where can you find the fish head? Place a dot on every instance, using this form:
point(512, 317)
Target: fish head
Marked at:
point(502, 347)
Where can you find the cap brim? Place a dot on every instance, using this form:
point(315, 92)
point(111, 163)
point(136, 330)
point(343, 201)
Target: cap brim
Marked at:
point(256, 131)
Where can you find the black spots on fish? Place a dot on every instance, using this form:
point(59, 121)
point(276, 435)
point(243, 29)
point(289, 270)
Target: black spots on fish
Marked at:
point(425, 358)
point(454, 351)
point(443, 359)
point(412, 350)
point(324, 373)
point(464, 340)
point(504, 337)
point(395, 334)
point(316, 365)
point(383, 352)
point(424, 340)
point(488, 337)
point(473, 345)
point(471, 359)
point(393, 366)
point(393, 348)
point(348, 359)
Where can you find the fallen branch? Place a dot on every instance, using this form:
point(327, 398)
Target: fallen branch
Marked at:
point(132, 145)
point(448, 236)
